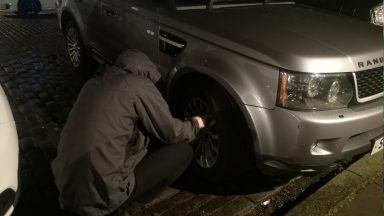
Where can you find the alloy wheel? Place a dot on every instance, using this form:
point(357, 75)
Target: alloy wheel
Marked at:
point(207, 143)
point(73, 46)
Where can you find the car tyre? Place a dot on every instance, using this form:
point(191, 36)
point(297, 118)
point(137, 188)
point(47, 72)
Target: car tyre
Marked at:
point(76, 50)
point(231, 156)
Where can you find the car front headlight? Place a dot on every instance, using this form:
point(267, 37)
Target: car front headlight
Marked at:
point(377, 15)
point(305, 91)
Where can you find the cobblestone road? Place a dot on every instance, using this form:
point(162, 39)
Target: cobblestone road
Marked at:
point(42, 86)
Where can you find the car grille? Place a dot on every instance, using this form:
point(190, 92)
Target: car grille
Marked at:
point(369, 84)
point(7, 198)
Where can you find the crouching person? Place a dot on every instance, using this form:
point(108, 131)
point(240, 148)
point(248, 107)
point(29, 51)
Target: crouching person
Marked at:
point(102, 164)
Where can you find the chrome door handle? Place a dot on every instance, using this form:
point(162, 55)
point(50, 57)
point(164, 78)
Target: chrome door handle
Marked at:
point(171, 42)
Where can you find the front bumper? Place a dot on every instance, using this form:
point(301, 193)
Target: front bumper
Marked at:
point(312, 141)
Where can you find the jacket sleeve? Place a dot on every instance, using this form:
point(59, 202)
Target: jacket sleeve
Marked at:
point(154, 115)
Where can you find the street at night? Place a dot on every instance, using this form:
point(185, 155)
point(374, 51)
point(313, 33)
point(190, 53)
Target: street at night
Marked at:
point(42, 85)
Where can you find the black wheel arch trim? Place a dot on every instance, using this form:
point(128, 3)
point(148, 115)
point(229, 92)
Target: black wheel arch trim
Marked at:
point(66, 16)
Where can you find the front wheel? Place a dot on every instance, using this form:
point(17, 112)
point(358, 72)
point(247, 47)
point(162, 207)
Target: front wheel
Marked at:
point(222, 149)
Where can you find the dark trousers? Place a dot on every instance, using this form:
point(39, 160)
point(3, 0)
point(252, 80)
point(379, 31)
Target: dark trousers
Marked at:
point(161, 168)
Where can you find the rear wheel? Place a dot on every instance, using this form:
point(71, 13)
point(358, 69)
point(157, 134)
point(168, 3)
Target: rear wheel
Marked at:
point(222, 149)
point(75, 46)
point(76, 50)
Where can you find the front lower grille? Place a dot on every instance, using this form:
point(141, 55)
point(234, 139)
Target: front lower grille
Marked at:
point(369, 84)
point(7, 198)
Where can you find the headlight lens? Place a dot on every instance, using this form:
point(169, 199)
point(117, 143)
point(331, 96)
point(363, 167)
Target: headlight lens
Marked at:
point(314, 91)
point(377, 15)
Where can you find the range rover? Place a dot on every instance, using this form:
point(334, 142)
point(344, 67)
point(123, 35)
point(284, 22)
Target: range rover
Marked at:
point(283, 86)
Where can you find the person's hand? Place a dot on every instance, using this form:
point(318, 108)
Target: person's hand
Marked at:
point(200, 121)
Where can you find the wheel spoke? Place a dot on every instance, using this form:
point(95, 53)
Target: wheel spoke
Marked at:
point(71, 36)
point(77, 60)
point(71, 49)
point(212, 135)
point(209, 155)
point(201, 154)
point(206, 154)
point(70, 40)
point(72, 54)
point(213, 145)
point(199, 147)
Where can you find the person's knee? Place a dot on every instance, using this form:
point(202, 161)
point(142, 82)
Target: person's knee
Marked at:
point(188, 152)
point(183, 153)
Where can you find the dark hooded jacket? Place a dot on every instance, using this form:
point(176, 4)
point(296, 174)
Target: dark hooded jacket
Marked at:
point(105, 136)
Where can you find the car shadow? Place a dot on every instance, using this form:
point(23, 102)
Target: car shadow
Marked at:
point(249, 184)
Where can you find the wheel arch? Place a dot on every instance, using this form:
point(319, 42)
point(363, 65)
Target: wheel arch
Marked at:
point(65, 17)
point(188, 76)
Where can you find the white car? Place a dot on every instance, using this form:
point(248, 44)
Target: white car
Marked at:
point(25, 7)
point(9, 157)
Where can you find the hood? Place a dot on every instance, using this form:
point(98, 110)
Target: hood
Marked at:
point(137, 63)
point(292, 37)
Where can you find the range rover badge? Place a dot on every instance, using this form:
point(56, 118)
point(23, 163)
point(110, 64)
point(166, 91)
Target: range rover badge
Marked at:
point(370, 62)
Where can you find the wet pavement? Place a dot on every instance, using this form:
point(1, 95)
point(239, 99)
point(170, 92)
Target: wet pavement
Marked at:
point(42, 86)
point(358, 190)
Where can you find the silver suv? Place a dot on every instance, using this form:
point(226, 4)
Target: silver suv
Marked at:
point(283, 86)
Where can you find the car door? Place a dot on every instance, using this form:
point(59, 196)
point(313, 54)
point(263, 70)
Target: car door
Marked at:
point(133, 24)
point(107, 30)
point(171, 44)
